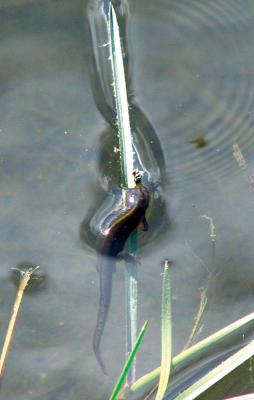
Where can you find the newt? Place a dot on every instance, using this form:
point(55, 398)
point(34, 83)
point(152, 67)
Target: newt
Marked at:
point(114, 232)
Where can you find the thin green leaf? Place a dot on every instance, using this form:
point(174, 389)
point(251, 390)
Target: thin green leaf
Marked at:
point(166, 333)
point(218, 373)
point(122, 108)
point(128, 363)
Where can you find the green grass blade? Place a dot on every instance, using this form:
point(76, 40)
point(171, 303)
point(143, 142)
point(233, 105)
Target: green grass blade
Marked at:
point(127, 167)
point(166, 333)
point(128, 363)
point(147, 382)
point(218, 373)
point(122, 108)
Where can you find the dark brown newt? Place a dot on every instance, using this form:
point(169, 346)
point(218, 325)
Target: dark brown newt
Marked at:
point(115, 230)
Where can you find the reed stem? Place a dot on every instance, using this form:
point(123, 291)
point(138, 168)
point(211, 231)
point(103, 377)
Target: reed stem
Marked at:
point(24, 279)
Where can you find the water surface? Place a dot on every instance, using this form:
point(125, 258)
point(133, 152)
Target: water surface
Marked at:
point(191, 64)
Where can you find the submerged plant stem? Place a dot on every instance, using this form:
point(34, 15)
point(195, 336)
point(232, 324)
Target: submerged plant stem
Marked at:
point(24, 279)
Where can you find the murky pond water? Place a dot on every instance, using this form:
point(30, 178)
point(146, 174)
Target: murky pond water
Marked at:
point(191, 64)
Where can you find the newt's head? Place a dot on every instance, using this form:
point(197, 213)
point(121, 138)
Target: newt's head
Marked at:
point(139, 195)
point(137, 175)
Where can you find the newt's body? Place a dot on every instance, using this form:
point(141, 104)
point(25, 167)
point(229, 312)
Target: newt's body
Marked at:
point(115, 230)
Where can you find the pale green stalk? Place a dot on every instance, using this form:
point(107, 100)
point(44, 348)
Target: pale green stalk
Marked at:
point(122, 108)
point(127, 167)
point(166, 333)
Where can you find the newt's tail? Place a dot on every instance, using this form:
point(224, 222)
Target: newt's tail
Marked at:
point(106, 274)
point(97, 352)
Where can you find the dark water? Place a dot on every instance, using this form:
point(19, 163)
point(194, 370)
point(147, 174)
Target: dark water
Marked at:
point(191, 65)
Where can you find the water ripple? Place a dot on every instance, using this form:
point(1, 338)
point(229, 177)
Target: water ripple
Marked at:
point(211, 78)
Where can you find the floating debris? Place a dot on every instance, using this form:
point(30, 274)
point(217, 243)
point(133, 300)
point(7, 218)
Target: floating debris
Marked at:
point(199, 142)
point(243, 165)
point(212, 232)
point(212, 227)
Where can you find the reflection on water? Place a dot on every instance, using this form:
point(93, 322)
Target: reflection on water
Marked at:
point(191, 69)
